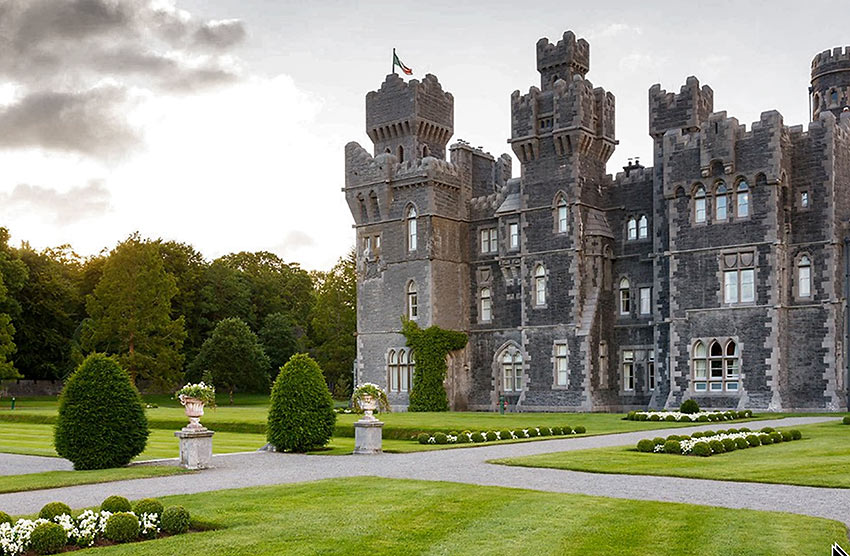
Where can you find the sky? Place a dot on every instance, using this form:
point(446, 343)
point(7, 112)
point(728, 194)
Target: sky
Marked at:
point(222, 123)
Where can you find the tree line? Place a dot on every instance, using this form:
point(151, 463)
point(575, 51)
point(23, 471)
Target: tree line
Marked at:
point(168, 314)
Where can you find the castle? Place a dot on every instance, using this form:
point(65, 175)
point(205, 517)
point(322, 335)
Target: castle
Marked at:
point(721, 273)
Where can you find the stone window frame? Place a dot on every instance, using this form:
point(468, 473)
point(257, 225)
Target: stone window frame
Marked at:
point(699, 193)
point(651, 371)
point(796, 282)
point(726, 195)
point(492, 242)
point(518, 367)
point(643, 230)
point(559, 204)
point(481, 299)
point(620, 299)
point(411, 227)
point(412, 300)
point(807, 205)
point(631, 364)
point(738, 192)
point(707, 358)
point(631, 229)
point(558, 358)
point(400, 370)
point(641, 288)
point(535, 277)
point(509, 239)
point(740, 266)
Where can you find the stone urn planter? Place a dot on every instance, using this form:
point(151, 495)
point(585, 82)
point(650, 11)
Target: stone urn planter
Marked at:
point(369, 404)
point(194, 411)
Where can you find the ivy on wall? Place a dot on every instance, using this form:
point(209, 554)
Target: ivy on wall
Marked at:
point(430, 347)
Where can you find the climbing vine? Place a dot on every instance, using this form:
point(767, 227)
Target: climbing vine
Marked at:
point(430, 347)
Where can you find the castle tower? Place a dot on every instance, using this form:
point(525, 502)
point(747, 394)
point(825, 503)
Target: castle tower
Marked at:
point(830, 88)
point(563, 60)
point(410, 119)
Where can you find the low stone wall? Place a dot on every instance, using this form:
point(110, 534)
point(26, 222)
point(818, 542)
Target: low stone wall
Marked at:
point(22, 388)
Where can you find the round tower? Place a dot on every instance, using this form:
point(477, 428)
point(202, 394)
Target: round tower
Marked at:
point(830, 88)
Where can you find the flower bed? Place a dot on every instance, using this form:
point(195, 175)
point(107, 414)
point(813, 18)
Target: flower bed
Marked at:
point(56, 532)
point(467, 437)
point(679, 417)
point(708, 443)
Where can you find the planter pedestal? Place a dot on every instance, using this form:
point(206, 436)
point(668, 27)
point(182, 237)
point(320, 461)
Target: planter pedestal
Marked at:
point(195, 447)
point(367, 436)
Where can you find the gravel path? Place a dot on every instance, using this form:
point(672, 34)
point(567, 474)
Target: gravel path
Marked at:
point(14, 464)
point(468, 465)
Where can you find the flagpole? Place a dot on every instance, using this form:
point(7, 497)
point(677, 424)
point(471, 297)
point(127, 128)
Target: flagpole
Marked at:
point(393, 60)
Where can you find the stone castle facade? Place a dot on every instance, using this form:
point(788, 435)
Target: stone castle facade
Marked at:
point(721, 273)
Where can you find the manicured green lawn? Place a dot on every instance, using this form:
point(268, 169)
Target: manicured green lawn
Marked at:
point(54, 479)
point(388, 517)
point(820, 459)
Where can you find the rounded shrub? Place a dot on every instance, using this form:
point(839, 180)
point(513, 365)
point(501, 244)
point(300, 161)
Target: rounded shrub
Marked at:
point(478, 437)
point(491, 436)
point(701, 449)
point(567, 429)
point(732, 431)
point(765, 439)
point(580, 429)
point(655, 417)
point(101, 421)
point(672, 447)
point(721, 431)
point(689, 406)
point(776, 437)
point(630, 416)
point(642, 416)
point(748, 413)
point(796, 435)
point(122, 527)
point(645, 445)
point(532, 432)
point(174, 520)
point(698, 434)
point(716, 446)
point(753, 440)
point(505, 434)
point(702, 419)
point(684, 419)
point(709, 432)
point(786, 436)
point(48, 538)
point(52, 509)
point(674, 437)
point(544, 431)
point(115, 504)
point(768, 430)
point(741, 443)
point(301, 412)
point(670, 418)
point(729, 444)
point(846, 420)
point(659, 440)
point(463, 438)
point(5, 518)
point(423, 437)
point(557, 431)
point(147, 506)
point(441, 438)
point(744, 429)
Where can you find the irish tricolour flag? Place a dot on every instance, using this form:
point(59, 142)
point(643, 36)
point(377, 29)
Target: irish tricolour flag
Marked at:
point(400, 64)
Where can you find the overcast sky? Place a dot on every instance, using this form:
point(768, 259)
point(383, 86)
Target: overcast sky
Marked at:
point(222, 123)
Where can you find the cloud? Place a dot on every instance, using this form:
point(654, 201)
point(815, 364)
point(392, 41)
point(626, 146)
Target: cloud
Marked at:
point(220, 34)
point(62, 208)
point(613, 29)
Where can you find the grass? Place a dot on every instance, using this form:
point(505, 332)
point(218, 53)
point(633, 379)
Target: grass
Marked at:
point(820, 459)
point(54, 479)
point(379, 516)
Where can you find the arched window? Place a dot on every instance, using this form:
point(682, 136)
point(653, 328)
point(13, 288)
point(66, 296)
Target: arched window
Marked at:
point(412, 301)
point(392, 365)
point(643, 227)
point(625, 297)
point(715, 361)
point(486, 309)
point(561, 215)
point(400, 153)
point(631, 229)
point(407, 377)
point(700, 368)
point(512, 371)
point(411, 229)
point(804, 277)
point(742, 200)
point(699, 204)
point(720, 203)
point(425, 151)
point(731, 367)
point(540, 285)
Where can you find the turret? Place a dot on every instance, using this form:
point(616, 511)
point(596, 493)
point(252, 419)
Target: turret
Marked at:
point(830, 88)
point(410, 119)
point(563, 60)
point(687, 111)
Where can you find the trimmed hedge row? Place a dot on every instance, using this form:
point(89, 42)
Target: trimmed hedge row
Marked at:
point(466, 437)
point(679, 417)
point(710, 442)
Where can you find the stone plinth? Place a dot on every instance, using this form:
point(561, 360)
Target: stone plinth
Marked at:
point(367, 436)
point(195, 447)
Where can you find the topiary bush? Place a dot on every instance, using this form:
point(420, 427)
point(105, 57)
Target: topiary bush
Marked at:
point(463, 438)
point(301, 413)
point(716, 446)
point(147, 506)
point(767, 430)
point(505, 434)
point(654, 417)
point(659, 440)
point(645, 445)
point(48, 538)
point(776, 437)
point(689, 406)
point(101, 421)
point(765, 439)
point(441, 438)
point(846, 420)
point(702, 419)
point(670, 418)
point(423, 437)
point(5, 518)
point(532, 432)
point(796, 435)
point(672, 447)
point(753, 440)
point(122, 527)
point(52, 509)
point(174, 520)
point(478, 437)
point(642, 417)
point(115, 504)
point(701, 449)
point(544, 431)
point(567, 429)
point(557, 431)
point(674, 437)
point(491, 436)
point(786, 436)
point(580, 429)
point(709, 432)
point(744, 429)
point(729, 444)
point(698, 435)
point(430, 346)
point(741, 443)
point(684, 419)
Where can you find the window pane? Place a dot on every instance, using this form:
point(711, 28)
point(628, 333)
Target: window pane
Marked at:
point(748, 292)
point(645, 300)
point(732, 368)
point(732, 386)
point(716, 368)
point(743, 204)
point(624, 302)
point(411, 232)
point(700, 210)
point(494, 246)
point(642, 227)
point(540, 288)
point(650, 371)
point(485, 309)
point(716, 386)
point(699, 369)
point(699, 350)
point(514, 233)
point(485, 241)
point(628, 376)
point(720, 200)
point(405, 379)
point(628, 356)
point(804, 279)
point(562, 218)
point(632, 229)
point(699, 386)
point(730, 286)
point(804, 199)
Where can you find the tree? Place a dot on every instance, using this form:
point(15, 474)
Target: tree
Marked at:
point(234, 357)
point(130, 315)
point(188, 267)
point(13, 275)
point(334, 323)
point(225, 293)
point(279, 339)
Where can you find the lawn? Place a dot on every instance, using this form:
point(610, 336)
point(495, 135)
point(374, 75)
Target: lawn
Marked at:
point(387, 517)
point(54, 479)
point(820, 459)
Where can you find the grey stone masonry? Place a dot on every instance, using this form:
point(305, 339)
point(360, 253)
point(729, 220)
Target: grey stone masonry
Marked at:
point(718, 273)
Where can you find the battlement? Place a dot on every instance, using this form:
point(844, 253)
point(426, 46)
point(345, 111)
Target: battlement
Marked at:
point(687, 110)
point(363, 170)
point(830, 60)
point(635, 175)
point(563, 60)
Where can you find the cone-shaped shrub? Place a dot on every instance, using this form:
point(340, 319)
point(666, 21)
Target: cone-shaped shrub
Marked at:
point(301, 415)
point(101, 420)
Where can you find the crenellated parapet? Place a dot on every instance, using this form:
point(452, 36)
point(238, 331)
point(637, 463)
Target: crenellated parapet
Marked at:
point(688, 110)
point(563, 60)
point(830, 90)
point(718, 145)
